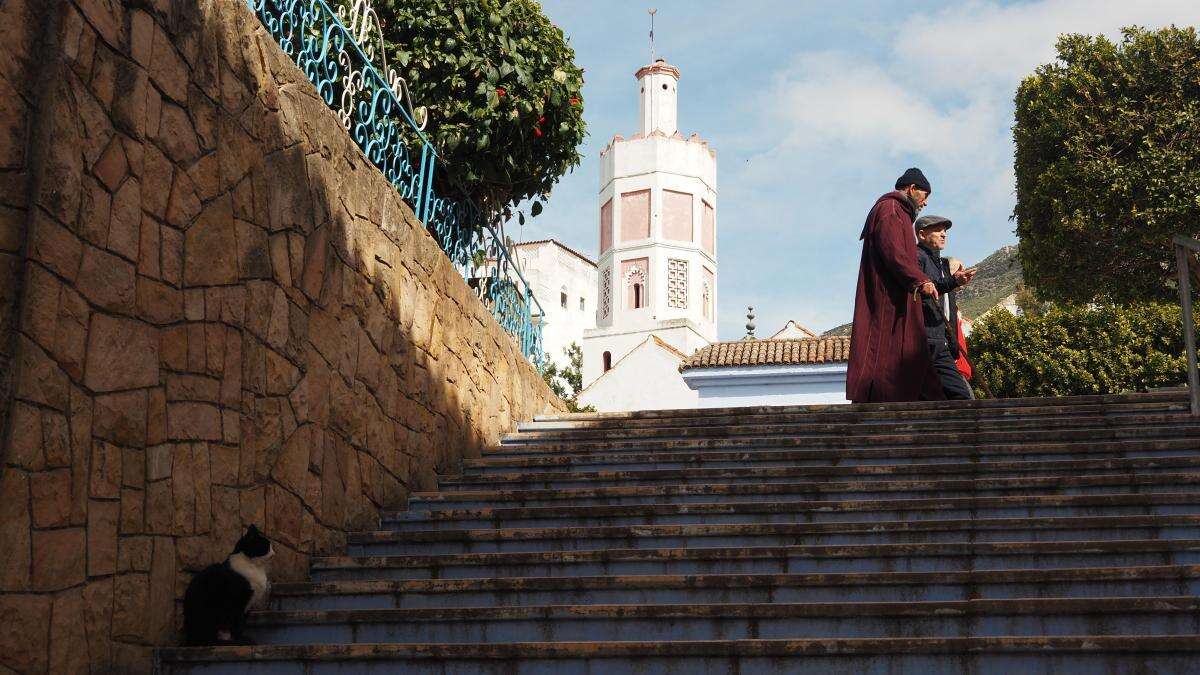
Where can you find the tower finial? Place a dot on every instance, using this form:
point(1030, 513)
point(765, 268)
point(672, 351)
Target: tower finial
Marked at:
point(750, 323)
point(652, 12)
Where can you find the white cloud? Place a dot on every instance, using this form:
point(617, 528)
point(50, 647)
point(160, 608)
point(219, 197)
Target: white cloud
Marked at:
point(973, 43)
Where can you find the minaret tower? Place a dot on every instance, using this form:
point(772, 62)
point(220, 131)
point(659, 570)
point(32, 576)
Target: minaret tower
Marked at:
point(657, 269)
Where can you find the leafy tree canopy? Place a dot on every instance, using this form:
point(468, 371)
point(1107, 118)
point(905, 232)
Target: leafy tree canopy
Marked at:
point(502, 89)
point(1108, 165)
point(567, 381)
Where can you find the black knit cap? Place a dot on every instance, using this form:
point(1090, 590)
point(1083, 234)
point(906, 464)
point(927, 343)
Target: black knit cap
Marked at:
point(914, 177)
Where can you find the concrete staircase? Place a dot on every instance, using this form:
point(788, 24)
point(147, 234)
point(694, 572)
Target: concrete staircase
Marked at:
point(1019, 536)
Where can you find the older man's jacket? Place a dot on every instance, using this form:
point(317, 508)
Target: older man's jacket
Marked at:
point(945, 308)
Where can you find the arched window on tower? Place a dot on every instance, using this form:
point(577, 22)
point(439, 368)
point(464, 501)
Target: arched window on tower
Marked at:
point(562, 297)
point(635, 280)
point(607, 361)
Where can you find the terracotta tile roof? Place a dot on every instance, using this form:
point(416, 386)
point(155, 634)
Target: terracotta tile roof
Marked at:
point(770, 353)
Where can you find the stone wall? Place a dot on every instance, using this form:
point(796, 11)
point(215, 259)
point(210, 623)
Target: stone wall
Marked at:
point(214, 312)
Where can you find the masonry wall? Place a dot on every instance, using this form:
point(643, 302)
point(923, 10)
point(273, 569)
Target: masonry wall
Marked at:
point(213, 312)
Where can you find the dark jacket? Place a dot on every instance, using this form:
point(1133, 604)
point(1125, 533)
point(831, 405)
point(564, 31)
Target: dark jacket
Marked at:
point(937, 269)
point(889, 353)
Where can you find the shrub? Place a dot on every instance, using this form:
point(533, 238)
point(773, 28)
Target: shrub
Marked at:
point(1079, 350)
point(502, 89)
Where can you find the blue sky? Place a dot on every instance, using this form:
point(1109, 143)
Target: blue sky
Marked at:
point(814, 109)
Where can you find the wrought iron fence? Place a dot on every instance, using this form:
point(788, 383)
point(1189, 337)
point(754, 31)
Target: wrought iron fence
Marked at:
point(337, 51)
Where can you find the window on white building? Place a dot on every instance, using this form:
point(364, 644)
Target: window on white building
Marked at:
point(562, 297)
point(637, 296)
point(607, 361)
point(581, 305)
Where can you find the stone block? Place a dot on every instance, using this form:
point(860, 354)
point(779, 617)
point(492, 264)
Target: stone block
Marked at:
point(110, 342)
point(210, 246)
point(254, 254)
point(104, 75)
point(184, 387)
point(231, 371)
point(156, 416)
point(149, 243)
point(159, 176)
point(133, 467)
point(56, 439)
point(70, 343)
point(106, 17)
point(183, 490)
point(68, 637)
point(214, 348)
point(103, 518)
point(129, 104)
point(51, 491)
point(63, 162)
point(112, 166)
point(39, 318)
point(107, 463)
point(131, 602)
point(133, 511)
point(25, 450)
point(121, 417)
point(223, 462)
point(282, 376)
point(141, 37)
point(41, 380)
point(158, 303)
point(24, 632)
point(231, 426)
point(107, 280)
point(54, 246)
point(167, 68)
point(173, 348)
point(284, 516)
point(291, 465)
point(80, 423)
point(196, 348)
point(193, 421)
point(15, 524)
point(58, 558)
point(159, 507)
point(172, 256)
point(193, 304)
point(177, 136)
point(133, 554)
point(158, 462)
point(98, 606)
point(126, 220)
point(162, 591)
point(95, 212)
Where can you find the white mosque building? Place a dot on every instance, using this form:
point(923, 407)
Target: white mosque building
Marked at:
point(657, 265)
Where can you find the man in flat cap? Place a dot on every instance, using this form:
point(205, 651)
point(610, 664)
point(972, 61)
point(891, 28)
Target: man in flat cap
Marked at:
point(941, 311)
point(889, 354)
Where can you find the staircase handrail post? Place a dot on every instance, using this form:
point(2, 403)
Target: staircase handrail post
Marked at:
point(1184, 248)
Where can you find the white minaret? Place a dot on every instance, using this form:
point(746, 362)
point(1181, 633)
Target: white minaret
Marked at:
point(657, 267)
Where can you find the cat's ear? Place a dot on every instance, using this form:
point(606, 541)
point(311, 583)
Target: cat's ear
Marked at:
point(253, 529)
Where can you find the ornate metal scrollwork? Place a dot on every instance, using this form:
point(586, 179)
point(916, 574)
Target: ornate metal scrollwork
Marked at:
point(337, 51)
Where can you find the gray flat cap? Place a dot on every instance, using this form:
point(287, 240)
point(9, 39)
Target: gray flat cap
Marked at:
point(929, 221)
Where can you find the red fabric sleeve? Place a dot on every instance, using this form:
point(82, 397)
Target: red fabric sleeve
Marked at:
point(897, 247)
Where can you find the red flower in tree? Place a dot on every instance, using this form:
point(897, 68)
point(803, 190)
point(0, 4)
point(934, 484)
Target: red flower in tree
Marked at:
point(500, 91)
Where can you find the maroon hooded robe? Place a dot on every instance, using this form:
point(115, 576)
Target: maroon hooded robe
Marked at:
point(889, 359)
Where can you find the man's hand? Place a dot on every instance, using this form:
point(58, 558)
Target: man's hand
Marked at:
point(964, 277)
point(928, 290)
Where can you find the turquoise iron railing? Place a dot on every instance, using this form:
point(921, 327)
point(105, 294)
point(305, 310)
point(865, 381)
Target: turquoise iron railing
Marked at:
point(336, 51)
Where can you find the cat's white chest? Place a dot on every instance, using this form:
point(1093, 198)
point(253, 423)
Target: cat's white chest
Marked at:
point(255, 574)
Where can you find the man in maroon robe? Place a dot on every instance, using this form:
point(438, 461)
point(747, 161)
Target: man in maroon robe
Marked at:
point(889, 358)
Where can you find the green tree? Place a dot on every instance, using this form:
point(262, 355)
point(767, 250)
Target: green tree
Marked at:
point(1108, 165)
point(1073, 350)
point(502, 89)
point(566, 382)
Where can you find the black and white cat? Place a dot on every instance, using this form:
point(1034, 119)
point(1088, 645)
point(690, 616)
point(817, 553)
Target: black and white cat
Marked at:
point(214, 606)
